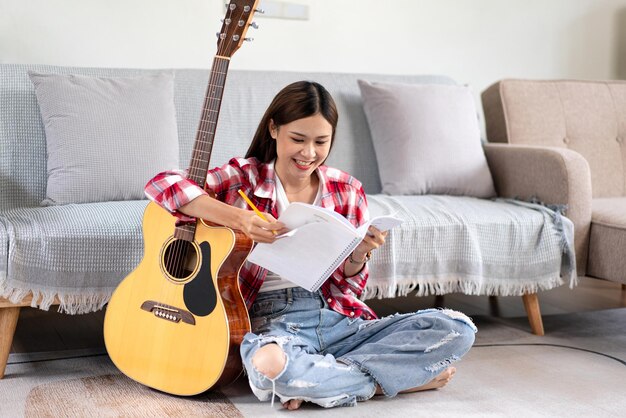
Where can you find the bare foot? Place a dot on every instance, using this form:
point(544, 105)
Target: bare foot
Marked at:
point(293, 404)
point(438, 382)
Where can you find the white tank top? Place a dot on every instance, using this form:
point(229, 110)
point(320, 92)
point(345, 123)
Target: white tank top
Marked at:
point(273, 281)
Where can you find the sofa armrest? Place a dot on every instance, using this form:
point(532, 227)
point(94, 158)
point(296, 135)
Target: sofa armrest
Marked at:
point(552, 175)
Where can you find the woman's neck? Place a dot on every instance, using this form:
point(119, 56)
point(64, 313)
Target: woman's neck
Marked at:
point(302, 191)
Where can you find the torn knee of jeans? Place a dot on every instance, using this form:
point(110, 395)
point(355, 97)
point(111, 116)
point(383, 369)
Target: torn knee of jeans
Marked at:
point(442, 364)
point(460, 316)
point(451, 336)
point(266, 368)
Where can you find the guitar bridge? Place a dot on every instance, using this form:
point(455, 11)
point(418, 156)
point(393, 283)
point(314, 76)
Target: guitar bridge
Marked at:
point(168, 312)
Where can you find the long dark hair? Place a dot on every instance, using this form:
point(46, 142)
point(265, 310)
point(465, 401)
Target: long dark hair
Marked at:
point(296, 101)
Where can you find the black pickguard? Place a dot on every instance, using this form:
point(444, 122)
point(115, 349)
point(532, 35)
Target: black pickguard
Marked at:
point(199, 294)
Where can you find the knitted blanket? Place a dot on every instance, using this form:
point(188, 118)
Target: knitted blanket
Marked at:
point(79, 253)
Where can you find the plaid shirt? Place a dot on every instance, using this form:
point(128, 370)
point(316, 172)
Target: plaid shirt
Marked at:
point(340, 192)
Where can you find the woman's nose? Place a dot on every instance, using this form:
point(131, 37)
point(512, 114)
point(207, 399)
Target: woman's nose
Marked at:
point(308, 151)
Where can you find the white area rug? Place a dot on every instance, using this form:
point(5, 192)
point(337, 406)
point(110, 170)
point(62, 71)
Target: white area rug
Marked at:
point(577, 370)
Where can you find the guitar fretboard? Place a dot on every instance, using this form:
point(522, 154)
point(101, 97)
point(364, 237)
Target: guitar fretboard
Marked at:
point(205, 135)
point(208, 121)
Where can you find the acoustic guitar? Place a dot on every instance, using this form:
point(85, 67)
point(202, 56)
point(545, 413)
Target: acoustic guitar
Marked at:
point(176, 322)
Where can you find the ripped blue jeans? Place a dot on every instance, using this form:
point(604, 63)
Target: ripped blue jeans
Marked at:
point(334, 360)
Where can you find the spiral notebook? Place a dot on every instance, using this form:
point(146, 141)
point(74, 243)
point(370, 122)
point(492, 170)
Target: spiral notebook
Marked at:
point(319, 240)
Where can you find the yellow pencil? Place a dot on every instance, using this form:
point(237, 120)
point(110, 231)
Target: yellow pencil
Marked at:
point(254, 208)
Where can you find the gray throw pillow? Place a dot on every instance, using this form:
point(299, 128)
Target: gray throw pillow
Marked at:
point(427, 139)
point(106, 137)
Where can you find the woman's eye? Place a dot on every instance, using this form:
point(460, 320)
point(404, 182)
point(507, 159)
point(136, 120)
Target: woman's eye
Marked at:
point(321, 142)
point(298, 141)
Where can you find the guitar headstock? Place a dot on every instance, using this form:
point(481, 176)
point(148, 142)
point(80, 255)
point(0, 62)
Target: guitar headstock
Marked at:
point(238, 18)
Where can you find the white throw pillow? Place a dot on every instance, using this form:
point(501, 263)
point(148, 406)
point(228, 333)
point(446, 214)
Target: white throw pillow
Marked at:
point(427, 139)
point(105, 137)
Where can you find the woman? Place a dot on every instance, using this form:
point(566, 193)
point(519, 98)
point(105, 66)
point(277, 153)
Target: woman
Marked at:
point(326, 347)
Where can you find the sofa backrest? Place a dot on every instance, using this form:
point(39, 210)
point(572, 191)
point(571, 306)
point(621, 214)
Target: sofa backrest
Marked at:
point(247, 95)
point(586, 116)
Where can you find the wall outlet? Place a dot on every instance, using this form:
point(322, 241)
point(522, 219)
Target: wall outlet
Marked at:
point(282, 10)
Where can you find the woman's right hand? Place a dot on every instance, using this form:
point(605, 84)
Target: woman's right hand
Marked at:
point(258, 229)
point(246, 221)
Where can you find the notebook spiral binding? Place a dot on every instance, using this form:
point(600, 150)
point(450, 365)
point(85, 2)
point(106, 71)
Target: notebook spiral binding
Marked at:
point(341, 257)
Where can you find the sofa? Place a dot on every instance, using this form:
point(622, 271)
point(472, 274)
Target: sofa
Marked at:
point(585, 123)
point(72, 255)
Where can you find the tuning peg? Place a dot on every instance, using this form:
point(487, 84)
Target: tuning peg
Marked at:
point(220, 35)
point(248, 39)
point(254, 25)
point(260, 11)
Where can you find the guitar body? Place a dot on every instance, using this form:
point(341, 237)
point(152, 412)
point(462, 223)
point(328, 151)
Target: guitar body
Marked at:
point(179, 331)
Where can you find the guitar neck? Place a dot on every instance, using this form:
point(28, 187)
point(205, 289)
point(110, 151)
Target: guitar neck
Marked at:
point(235, 24)
point(205, 135)
point(208, 122)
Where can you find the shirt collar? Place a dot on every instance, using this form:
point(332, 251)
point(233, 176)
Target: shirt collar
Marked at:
point(327, 198)
point(266, 184)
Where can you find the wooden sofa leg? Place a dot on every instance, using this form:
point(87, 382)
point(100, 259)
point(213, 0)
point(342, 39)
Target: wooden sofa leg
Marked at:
point(531, 304)
point(8, 322)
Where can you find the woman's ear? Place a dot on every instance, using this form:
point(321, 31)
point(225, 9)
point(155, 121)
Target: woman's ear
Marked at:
point(273, 129)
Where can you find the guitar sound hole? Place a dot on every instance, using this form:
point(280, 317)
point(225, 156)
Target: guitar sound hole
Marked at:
point(180, 259)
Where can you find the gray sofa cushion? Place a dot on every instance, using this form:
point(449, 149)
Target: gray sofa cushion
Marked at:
point(105, 136)
point(427, 139)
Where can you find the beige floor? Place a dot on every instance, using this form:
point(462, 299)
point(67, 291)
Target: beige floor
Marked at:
point(39, 331)
point(572, 371)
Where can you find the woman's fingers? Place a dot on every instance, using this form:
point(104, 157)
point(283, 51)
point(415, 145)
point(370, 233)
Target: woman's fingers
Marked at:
point(266, 231)
point(375, 237)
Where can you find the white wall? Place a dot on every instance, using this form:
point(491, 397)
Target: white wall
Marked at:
point(475, 41)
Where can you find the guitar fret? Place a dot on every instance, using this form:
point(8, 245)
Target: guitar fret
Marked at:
point(197, 159)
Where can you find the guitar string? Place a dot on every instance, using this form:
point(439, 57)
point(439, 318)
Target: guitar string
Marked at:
point(212, 104)
point(181, 248)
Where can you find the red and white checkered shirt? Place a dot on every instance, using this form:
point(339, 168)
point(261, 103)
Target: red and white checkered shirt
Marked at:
point(340, 192)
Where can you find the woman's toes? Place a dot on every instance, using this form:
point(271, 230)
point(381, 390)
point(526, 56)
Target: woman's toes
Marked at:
point(292, 404)
point(447, 374)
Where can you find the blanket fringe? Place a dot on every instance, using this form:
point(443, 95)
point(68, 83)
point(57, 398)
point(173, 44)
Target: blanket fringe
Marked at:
point(71, 303)
point(442, 286)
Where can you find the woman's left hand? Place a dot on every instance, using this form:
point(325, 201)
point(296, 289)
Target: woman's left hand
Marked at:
point(373, 239)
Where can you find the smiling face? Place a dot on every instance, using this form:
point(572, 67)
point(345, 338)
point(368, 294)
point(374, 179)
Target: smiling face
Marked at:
point(301, 147)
